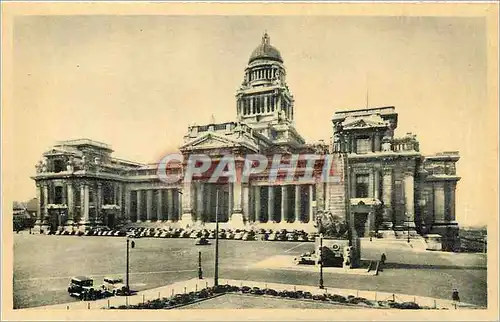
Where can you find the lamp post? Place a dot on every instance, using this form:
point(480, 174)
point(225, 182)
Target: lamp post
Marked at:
point(127, 285)
point(408, 227)
point(216, 272)
point(321, 286)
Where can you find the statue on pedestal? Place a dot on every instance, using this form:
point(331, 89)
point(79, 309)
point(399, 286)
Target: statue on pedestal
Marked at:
point(70, 165)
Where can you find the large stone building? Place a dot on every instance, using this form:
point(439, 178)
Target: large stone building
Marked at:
point(393, 189)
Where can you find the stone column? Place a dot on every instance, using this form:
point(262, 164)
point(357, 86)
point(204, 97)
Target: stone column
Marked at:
point(71, 204)
point(237, 196)
point(237, 211)
point(139, 205)
point(98, 204)
point(127, 212)
point(409, 199)
point(439, 203)
point(209, 208)
point(377, 142)
point(39, 215)
point(159, 205)
point(119, 199)
point(84, 204)
point(45, 203)
point(387, 198)
point(451, 204)
point(284, 203)
point(246, 202)
point(376, 184)
point(297, 204)
point(257, 205)
point(187, 207)
point(200, 211)
point(149, 205)
point(310, 214)
point(170, 205)
point(270, 204)
point(64, 192)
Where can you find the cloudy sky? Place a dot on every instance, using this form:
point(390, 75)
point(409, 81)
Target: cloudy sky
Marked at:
point(137, 82)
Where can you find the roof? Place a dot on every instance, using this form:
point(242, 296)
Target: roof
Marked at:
point(265, 51)
point(82, 278)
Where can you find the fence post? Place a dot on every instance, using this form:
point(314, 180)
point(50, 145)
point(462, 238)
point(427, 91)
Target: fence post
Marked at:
point(375, 296)
point(435, 304)
point(393, 297)
point(172, 292)
point(88, 305)
point(184, 290)
point(143, 299)
point(67, 307)
point(108, 303)
point(196, 287)
point(126, 300)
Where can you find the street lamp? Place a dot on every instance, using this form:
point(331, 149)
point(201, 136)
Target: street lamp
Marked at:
point(321, 286)
point(127, 285)
point(408, 227)
point(216, 273)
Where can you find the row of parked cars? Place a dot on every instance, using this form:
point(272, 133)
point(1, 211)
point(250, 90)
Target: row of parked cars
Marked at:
point(236, 234)
point(83, 288)
point(187, 298)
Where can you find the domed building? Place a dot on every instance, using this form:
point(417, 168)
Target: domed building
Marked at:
point(382, 185)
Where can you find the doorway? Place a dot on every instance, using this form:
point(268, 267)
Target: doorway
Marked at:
point(360, 224)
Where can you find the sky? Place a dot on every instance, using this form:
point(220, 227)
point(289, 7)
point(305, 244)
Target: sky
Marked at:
point(137, 82)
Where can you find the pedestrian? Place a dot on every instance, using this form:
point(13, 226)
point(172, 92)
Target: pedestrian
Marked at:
point(383, 258)
point(455, 296)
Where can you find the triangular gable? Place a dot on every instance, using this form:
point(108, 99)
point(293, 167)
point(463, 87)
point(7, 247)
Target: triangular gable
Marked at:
point(209, 140)
point(364, 122)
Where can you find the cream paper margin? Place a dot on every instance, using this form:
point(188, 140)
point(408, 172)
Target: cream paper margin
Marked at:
point(487, 10)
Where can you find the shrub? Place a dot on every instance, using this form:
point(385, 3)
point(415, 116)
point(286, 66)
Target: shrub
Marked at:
point(245, 289)
point(357, 300)
point(270, 291)
point(409, 306)
point(338, 298)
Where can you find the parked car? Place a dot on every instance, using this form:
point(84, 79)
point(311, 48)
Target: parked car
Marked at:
point(114, 286)
point(305, 259)
point(202, 241)
point(83, 288)
point(238, 235)
point(249, 236)
point(291, 236)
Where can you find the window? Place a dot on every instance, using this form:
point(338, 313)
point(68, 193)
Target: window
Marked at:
point(58, 195)
point(362, 185)
point(363, 145)
point(58, 166)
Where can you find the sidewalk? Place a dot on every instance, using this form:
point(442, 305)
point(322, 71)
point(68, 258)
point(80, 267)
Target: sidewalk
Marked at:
point(196, 284)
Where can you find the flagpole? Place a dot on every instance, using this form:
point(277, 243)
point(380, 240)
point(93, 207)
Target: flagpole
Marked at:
point(216, 274)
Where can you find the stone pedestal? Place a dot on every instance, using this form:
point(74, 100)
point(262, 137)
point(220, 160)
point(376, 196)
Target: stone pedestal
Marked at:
point(237, 220)
point(186, 219)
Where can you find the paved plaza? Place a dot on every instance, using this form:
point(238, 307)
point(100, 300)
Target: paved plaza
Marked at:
point(43, 266)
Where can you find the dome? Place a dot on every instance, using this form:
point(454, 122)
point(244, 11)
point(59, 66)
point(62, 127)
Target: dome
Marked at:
point(265, 51)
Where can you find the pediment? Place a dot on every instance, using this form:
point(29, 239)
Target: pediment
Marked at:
point(364, 122)
point(209, 141)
